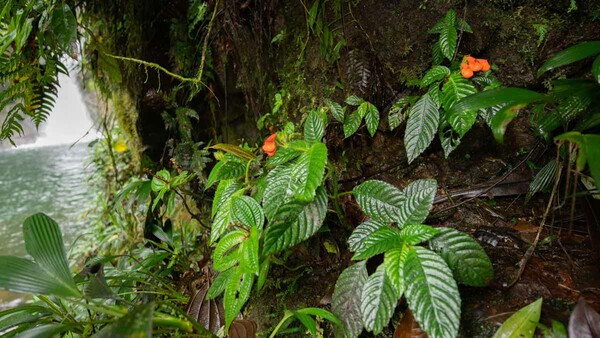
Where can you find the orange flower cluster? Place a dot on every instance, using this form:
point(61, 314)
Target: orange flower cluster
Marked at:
point(473, 65)
point(269, 146)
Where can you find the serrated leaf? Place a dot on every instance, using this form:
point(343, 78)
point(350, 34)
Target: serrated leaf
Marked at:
point(161, 180)
point(351, 124)
point(394, 267)
point(379, 200)
point(336, 110)
point(521, 324)
point(279, 188)
point(307, 172)
point(448, 40)
point(225, 189)
point(64, 26)
point(421, 126)
point(294, 222)
point(237, 293)
point(435, 73)
point(249, 252)
point(247, 211)
point(371, 118)
point(572, 54)
point(314, 127)
point(449, 139)
point(464, 256)
point(436, 53)
point(456, 88)
point(346, 299)
point(413, 234)
point(224, 216)
point(378, 301)
point(226, 254)
point(419, 199)
point(543, 180)
point(431, 293)
point(381, 240)
point(354, 100)
point(224, 170)
point(219, 283)
point(361, 232)
point(235, 150)
point(502, 118)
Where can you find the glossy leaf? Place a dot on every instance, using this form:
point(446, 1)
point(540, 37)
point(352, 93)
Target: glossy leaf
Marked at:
point(382, 240)
point(225, 190)
point(224, 170)
point(226, 254)
point(356, 241)
point(314, 127)
point(398, 111)
point(64, 26)
point(419, 199)
point(454, 90)
point(589, 151)
point(378, 301)
point(43, 331)
point(247, 211)
point(413, 234)
point(394, 261)
point(371, 118)
point(464, 256)
point(435, 73)
point(449, 138)
point(448, 40)
point(136, 323)
point(161, 180)
point(22, 275)
point(431, 293)
point(346, 299)
point(237, 293)
point(318, 312)
point(295, 222)
point(219, 283)
point(493, 97)
point(307, 172)
point(336, 110)
point(596, 69)
point(421, 126)
point(279, 188)
point(501, 120)
point(224, 216)
point(521, 324)
point(572, 54)
point(379, 200)
point(249, 252)
point(354, 100)
point(351, 124)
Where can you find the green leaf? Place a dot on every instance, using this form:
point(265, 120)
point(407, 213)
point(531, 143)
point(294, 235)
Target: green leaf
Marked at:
point(237, 293)
point(379, 200)
point(294, 222)
point(225, 189)
point(448, 40)
point(493, 97)
point(43, 331)
point(419, 199)
point(161, 180)
point(572, 54)
point(249, 252)
point(307, 172)
point(136, 323)
point(354, 100)
point(226, 254)
point(309, 323)
point(567, 110)
point(596, 69)
point(449, 139)
point(397, 112)
point(224, 170)
point(314, 127)
point(22, 275)
point(245, 210)
point(336, 110)
point(219, 283)
point(224, 216)
point(283, 156)
point(356, 241)
point(521, 324)
point(394, 267)
point(382, 240)
point(413, 234)
point(64, 26)
point(589, 151)
point(435, 73)
point(315, 311)
point(502, 118)
point(346, 299)
point(279, 188)
point(421, 126)
point(543, 180)
point(371, 118)
point(378, 301)
point(464, 256)
point(431, 293)
point(263, 273)
point(436, 53)
point(456, 88)
point(235, 150)
point(351, 124)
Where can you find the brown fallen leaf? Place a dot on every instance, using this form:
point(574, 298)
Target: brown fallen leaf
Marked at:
point(242, 328)
point(584, 321)
point(209, 313)
point(408, 327)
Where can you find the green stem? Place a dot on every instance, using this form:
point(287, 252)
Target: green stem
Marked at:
point(286, 316)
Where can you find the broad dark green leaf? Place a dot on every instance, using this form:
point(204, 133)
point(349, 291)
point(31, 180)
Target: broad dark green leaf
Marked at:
point(448, 40)
point(464, 256)
point(421, 126)
point(413, 234)
point(247, 211)
point(419, 199)
point(64, 26)
point(354, 100)
point(495, 97)
point(381, 240)
point(237, 293)
point(351, 124)
point(224, 170)
point(314, 127)
point(572, 54)
point(379, 200)
point(336, 110)
point(394, 267)
point(432, 293)
point(43, 331)
point(455, 89)
point(307, 172)
point(371, 118)
point(522, 323)
point(136, 323)
point(378, 301)
point(596, 69)
point(448, 137)
point(356, 241)
point(295, 222)
point(502, 118)
point(22, 275)
point(435, 73)
point(567, 110)
point(226, 254)
point(589, 151)
point(346, 299)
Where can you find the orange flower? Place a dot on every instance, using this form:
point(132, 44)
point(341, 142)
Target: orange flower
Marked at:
point(485, 66)
point(466, 73)
point(269, 146)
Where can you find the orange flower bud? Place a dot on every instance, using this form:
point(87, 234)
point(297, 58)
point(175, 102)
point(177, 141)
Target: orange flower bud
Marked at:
point(466, 73)
point(470, 60)
point(476, 66)
point(485, 66)
point(269, 146)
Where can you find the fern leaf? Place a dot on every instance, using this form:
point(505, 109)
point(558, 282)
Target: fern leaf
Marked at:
point(382, 240)
point(432, 293)
point(346, 299)
point(307, 172)
point(464, 256)
point(421, 127)
point(294, 222)
point(378, 300)
point(356, 241)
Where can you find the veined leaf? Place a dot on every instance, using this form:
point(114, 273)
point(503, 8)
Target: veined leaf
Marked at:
point(336, 110)
point(283, 156)
point(22, 275)
point(64, 26)
point(223, 170)
point(379, 200)
point(356, 241)
point(521, 324)
point(381, 240)
point(223, 218)
point(502, 118)
point(419, 199)
point(226, 254)
point(378, 301)
point(596, 69)
point(435, 73)
point(314, 127)
point(495, 97)
point(394, 267)
point(354, 100)
point(436, 94)
point(307, 172)
point(568, 110)
point(278, 190)
point(235, 150)
point(136, 323)
point(431, 293)
point(398, 110)
point(294, 222)
point(225, 190)
point(249, 252)
point(351, 124)
point(464, 256)
point(318, 312)
point(346, 299)
point(421, 126)
point(448, 40)
point(543, 180)
point(413, 234)
point(247, 211)
point(456, 88)
point(161, 180)
point(219, 283)
point(448, 137)
point(572, 54)
point(371, 118)
point(237, 293)
point(436, 53)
